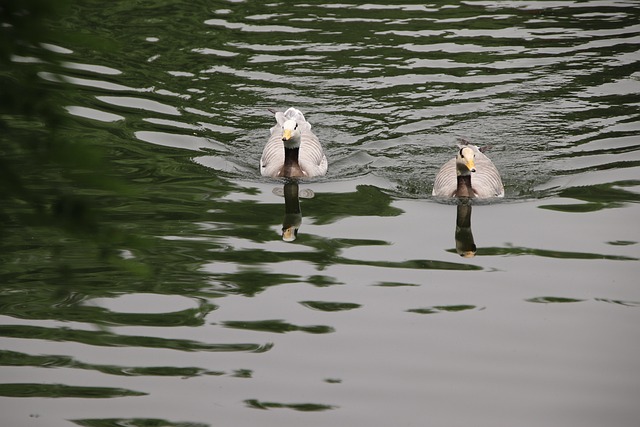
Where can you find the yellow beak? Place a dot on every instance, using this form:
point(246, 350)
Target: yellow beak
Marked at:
point(471, 164)
point(286, 135)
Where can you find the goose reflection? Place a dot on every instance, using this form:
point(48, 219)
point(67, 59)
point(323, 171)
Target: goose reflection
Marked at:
point(465, 246)
point(292, 213)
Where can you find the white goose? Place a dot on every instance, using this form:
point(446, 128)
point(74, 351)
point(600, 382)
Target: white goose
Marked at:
point(469, 174)
point(292, 150)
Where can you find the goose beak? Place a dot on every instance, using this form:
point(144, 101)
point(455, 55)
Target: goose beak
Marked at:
point(471, 165)
point(286, 135)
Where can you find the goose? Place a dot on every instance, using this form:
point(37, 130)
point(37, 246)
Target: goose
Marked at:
point(292, 151)
point(465, 245)
point(469, 174)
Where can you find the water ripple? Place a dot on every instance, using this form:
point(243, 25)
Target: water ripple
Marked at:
point(391, 98)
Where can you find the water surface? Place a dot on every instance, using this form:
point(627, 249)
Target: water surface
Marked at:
point(205, 317)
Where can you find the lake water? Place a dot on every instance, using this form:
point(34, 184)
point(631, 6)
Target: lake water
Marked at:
point(370, 317)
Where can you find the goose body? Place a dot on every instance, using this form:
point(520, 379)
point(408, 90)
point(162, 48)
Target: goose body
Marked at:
point(292, 150)
point(469, 174)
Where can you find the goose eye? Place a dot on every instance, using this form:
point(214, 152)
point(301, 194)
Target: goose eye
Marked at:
point(296, 127)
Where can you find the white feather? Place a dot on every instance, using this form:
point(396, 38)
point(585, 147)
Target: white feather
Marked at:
point(311, 157)
point(485, 181)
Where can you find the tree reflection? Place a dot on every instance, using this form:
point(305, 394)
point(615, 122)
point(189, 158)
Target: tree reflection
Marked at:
point(52, 187)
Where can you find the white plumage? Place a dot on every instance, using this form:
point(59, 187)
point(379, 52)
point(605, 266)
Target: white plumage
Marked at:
point(484, 178)
point(292, 149)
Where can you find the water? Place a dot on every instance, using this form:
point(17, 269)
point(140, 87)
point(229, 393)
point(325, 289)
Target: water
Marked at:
point(203, 316)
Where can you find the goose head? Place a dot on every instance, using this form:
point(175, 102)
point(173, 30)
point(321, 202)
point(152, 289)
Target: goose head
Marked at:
point(291, 134)
point(465, 163)
point(290, 233)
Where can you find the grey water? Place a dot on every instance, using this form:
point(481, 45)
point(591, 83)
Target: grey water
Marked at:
point(187, 308)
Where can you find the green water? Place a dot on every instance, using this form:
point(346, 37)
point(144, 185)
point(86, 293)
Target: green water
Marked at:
point(144, 280)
